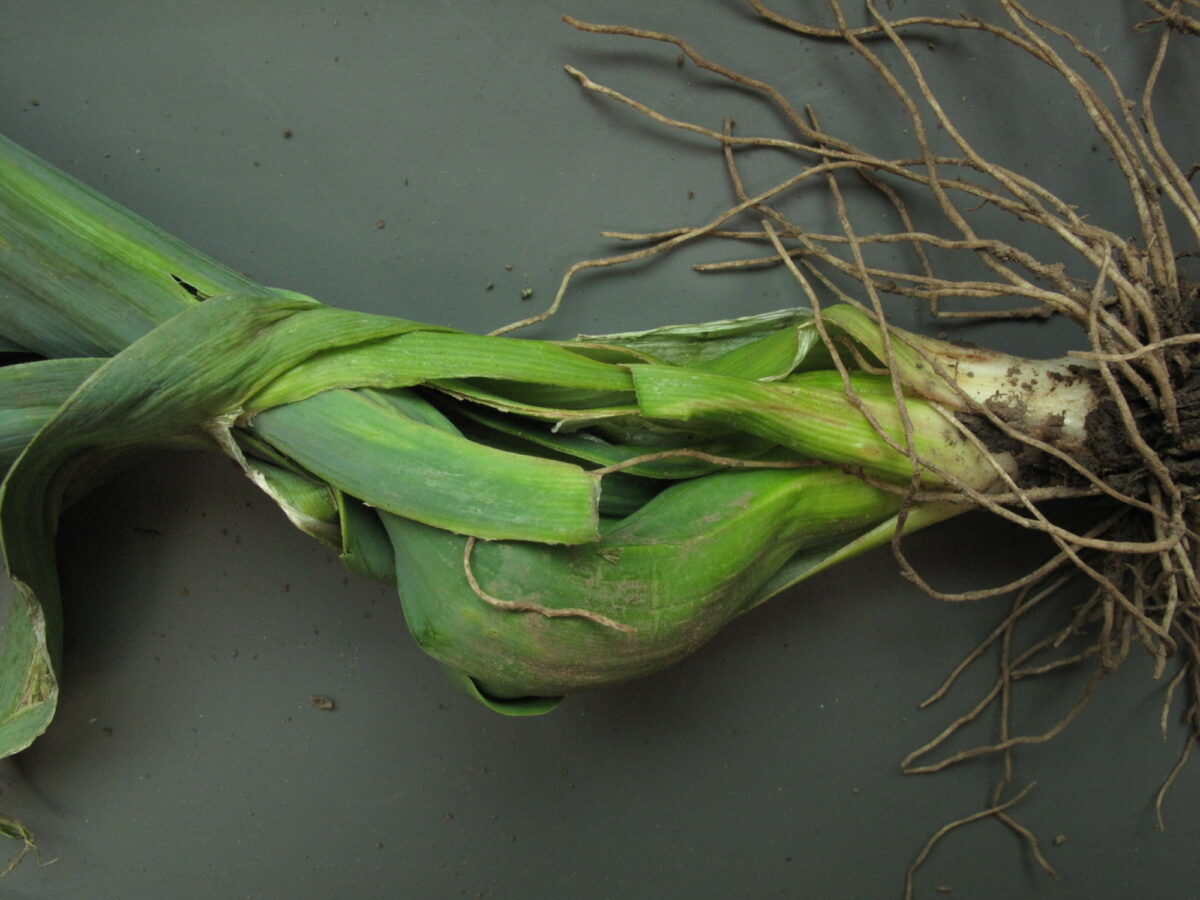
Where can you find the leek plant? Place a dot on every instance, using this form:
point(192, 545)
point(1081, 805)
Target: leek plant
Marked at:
point(561, 515)
point(556, 516)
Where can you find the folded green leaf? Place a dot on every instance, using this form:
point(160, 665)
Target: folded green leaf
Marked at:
point(425, 354)
point(695, 345)
point(366, 447)
point(29, 395)
point(814, 421)
point(670, 575)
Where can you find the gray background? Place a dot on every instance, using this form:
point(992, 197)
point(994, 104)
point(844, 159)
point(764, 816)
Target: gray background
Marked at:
point(186, 760)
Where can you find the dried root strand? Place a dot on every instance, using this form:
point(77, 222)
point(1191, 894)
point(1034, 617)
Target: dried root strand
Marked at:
point(529, 606)
point(995, 810)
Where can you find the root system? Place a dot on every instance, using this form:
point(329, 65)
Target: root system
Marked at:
point(1135, 310)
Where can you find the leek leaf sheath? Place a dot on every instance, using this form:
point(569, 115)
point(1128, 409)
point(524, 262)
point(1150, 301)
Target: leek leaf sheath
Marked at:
point(555, 515)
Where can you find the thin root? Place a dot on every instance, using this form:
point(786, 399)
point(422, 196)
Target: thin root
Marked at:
point(528, 606)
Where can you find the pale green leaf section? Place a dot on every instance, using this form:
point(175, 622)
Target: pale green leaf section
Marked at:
point(811, 561)
point(373, 451)
point(671, 574)
point(696, 345)
point(814, 421)
point(428, 355)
